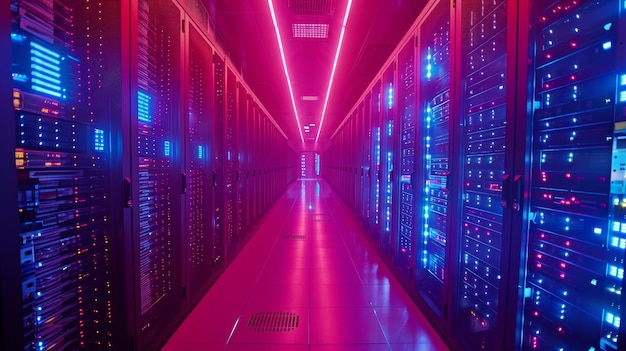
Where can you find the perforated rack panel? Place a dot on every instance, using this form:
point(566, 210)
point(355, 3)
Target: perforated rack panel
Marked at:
point(406, 109)
point(484, 45)
point(434, 85)
point(200, 189)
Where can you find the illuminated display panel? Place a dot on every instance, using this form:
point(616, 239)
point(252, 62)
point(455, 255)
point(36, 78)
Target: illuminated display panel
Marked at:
point(484, 116)
point(576, 238)
point(157, 169)
point(63, 174)
point(200, 231)
point(434, 88)
point(403, 255)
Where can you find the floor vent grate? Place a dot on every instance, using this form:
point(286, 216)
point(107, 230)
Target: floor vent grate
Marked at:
point(294, 237)
point(274, 322)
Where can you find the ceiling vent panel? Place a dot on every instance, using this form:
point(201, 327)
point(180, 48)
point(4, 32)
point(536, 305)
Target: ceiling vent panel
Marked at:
point(310, 7)
point(310, 30)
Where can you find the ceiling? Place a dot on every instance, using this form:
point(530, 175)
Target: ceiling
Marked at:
point(245, 30)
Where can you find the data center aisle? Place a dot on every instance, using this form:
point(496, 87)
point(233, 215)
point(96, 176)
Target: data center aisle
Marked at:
point(296, 286)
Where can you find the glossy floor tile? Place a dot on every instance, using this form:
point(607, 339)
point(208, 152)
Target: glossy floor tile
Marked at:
point(307, 280)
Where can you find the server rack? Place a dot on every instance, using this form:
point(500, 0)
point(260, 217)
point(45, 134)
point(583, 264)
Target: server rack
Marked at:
point(356, 137)
point(486, 155)
point(10, 272)
point(59, 140)
point(388, 158)
point(200, 238)
point(242, 164)
point(219, 243)
point(230, 164)
point(375, 221)
point(575, 239)
point(408, 158)
point(156, 174)
point(366, 164)
point(434, 142)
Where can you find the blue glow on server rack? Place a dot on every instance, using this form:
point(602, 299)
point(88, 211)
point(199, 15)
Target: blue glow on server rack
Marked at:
point(390, 96)
point(98, 139)
point(143, 107)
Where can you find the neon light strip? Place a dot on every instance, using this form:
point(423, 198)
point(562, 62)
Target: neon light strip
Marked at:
point(332, 73)
point(282, 56)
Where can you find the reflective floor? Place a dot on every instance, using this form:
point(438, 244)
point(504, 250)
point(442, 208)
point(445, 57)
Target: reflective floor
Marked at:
point(308, 280)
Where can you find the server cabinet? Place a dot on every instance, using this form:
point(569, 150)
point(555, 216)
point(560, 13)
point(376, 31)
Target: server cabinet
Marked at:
point(434, 93)
point(264, 152)
point(242, 157)
point(576, 236)
point(200, 128)
point(56, 146)
point(486, 156)
point(256, 173)
point(11, 324)
point(388, 157)
point(405, 205)
point(375, 219)
point(355, 161)
point(230, 164)
point(367, 161)
point(157, 206)
point(219, 242)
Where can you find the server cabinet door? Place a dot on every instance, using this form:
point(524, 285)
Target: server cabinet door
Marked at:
point(487, 112)
point(577, 232)
point(230, 164)
point(433, 187)
point(218, 162)
point(66, 111)
point(375, 219)
point(157, 206)
point(366, 147)
point(242, 161)
point(11, 303)
point(388, 156)
point(405, 235)
point(198, 172)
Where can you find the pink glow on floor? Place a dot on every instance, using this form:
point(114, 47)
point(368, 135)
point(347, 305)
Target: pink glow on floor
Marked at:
point(298, 263)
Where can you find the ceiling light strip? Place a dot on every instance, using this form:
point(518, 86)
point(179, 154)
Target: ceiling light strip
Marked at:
point(332, 73)
point(282, 56)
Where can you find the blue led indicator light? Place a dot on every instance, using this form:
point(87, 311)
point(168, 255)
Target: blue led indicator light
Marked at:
point(390, 96)
point(99, 139)
point(167, 150)
point(622, 96)
point(200, 152)
point(622, 79)
point(143, 107)
point(607, 45)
